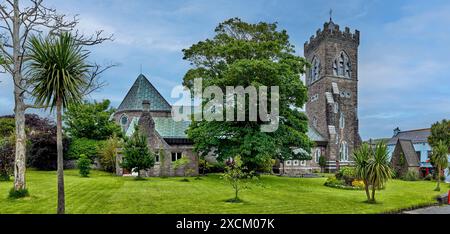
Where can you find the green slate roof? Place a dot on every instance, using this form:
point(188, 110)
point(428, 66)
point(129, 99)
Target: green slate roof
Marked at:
point(142, 90)
point(169, 128)
point(165, 126)
point(314, 135)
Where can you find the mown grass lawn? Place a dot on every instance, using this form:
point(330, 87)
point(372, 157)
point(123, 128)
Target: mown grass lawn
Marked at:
point(106, 194)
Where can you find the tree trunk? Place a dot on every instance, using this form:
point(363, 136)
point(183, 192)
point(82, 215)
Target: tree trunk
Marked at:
point(19, 109)
point(438, 188)
point(61, 196)
point(20, 154)
point(373, 194)
point(366, 187)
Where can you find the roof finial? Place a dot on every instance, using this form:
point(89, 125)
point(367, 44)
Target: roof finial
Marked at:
point(331, 14)
point(141, 68)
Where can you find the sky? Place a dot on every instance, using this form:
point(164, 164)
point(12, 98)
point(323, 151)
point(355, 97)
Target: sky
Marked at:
point(404, 53)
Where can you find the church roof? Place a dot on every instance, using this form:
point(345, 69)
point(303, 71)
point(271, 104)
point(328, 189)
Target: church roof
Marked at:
point(165, 126)
point(142, 90)
point(415, 136)
point(408, 151)
point(314, 135)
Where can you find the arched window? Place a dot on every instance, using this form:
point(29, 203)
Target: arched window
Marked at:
point(343, 151)
point(317, 155)
point(124, 120)
point(342, 121)
point(342, 66)
point(315, 69)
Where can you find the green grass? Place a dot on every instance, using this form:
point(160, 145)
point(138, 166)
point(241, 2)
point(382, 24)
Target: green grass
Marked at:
point(104, 193)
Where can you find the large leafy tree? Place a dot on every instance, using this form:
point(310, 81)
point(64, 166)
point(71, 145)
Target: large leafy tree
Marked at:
point(90, 120)
point(440, 160)
point(59, 75)
point(244, 54)
point(440, 131)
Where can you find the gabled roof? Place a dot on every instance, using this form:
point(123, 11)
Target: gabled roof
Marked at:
point(408, 151)
point(415, 136)
point(142, 90)
point(314, 135)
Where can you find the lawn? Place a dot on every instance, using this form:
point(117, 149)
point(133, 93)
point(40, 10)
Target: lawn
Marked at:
point(106, 194)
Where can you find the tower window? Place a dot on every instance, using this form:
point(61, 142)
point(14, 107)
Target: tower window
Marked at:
point(343, 151)
point(315, 70)
point(342, 66)
point(342, 121)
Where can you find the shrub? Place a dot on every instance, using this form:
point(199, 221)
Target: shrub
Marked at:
point(348, 174)
point(358, 184)
point(84, 165)
point(6, 158)
point(42, 153)
point(411, 176)
point(18, 194)
point(341, 184)
point(108, 153)
point(204, 166)
point(428, 177)
point(7, 126)
point(183, 162)
point(218, 167)
point(88, 147)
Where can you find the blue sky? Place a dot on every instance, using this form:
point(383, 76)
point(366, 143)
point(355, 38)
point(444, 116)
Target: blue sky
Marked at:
point(404, 59)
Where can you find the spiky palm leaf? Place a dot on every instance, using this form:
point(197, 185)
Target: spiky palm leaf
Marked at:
point(379, 168)
point(57, 68)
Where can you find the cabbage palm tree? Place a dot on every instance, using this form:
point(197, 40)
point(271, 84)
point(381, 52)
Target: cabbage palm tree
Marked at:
point(440, 160)
point(59, 75)
point(379, 169)
point(361, 157)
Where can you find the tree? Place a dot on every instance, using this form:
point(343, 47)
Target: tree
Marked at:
point(91, 121)
point(108, 153)
point(17, 24)
point(59, 75)
point(361, 156)
point(440, 160)
point(440, 131)
point(137, 156)
point(183, 162)
point(236, 175)
point(243, 54)
point(84, 165)
point(322, 162)
point(378, 168)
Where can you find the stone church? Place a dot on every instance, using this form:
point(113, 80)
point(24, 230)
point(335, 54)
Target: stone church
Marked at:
point(332, 109)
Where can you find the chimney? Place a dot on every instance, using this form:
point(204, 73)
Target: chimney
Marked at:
point(396, 131)
point(146, 105)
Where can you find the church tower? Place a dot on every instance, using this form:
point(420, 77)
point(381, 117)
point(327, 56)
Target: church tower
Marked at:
point(332, 83)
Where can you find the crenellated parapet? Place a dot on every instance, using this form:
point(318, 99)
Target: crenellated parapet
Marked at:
point(331, 31)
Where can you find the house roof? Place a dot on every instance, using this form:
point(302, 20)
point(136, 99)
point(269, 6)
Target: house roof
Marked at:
point(142, 90)
point(408, 150)
point(415, 136)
